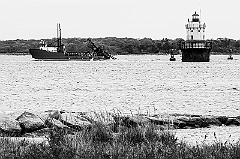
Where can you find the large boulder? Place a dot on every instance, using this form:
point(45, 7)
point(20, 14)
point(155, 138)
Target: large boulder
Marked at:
point(38, 133)
point(74, 121)
point(54, 123)
point(193, 122)
point(222, 119)
point(200, 122)
point(210, 120)
point(102, 118)
point(130, 121)
point(157, 121)
point(49, 114)
point(167, 122)
point(30, 122)
point(233, 121)
point(9, 126)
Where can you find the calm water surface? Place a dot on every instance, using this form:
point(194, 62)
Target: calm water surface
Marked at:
point(131, 83)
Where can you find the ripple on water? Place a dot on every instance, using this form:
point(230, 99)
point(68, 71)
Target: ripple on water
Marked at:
point(145, 82)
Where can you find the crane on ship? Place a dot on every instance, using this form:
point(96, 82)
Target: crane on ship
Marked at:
point(98, 51)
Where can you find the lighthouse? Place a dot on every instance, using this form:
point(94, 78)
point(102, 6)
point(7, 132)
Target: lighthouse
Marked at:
point(195, 48)
point(195, 30)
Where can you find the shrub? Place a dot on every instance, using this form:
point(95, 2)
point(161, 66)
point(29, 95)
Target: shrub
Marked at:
point(99, 141)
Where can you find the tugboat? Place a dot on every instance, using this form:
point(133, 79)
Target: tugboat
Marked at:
point(195, 48)
point(59, 52)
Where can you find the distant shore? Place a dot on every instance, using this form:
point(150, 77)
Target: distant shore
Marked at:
point(118, 46)
point(160, 53)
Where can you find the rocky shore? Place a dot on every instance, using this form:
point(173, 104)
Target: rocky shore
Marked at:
point(36, 124)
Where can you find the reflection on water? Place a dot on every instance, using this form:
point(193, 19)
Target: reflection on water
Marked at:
point(137, 83)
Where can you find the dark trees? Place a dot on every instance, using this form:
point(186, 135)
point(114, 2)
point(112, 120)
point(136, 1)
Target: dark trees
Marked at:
point(115, 45)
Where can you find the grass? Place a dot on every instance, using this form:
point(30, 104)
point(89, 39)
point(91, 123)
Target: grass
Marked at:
point(101, 142)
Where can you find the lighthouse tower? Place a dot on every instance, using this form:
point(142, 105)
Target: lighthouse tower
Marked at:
point(195, 30)
point(195, 48)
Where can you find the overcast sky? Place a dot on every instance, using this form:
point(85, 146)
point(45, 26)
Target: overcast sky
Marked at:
point(156, 19)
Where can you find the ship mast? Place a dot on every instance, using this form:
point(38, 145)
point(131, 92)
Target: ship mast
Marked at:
point(59, 35)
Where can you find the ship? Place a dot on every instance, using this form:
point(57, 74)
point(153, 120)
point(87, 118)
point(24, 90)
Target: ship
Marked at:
point(195, 48)
point(59, 51)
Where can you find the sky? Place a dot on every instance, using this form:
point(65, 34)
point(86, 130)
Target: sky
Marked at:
point(156, 19)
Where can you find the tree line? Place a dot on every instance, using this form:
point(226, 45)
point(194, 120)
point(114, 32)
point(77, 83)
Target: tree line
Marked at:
point(120, 46)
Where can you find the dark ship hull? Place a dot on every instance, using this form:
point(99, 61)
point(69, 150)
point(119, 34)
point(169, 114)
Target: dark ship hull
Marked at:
point(196, 51)
point(61, 56)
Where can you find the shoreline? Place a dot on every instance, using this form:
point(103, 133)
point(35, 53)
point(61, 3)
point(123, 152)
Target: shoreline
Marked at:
point(186, 127)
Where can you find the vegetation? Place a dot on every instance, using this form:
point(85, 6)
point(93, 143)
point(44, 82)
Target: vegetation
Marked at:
point(119, 45)
point(145, 142)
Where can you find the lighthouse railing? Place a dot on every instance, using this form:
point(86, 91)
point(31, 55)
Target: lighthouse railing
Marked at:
point(196, 44)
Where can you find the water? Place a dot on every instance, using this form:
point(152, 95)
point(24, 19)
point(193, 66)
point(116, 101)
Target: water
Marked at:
point(143, 83)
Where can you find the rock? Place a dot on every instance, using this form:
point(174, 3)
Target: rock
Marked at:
point(38, 133)
point(58, 125)
point(74, 121)
point(179, 124)
point(50, 114)
point(130, 121)
point(103, 118)
point(189, 122)
point(194, 122)
point(140, 120)
point(55, 114)
point(209, 120)
point(173, 122)
point(9, 126)
point(222, 119)
point(200, 122)
point(29, 122)
point(51, 117)
point(157, 121)
point(237, 117)
point(233, 121)
point(99, 117)
point(54, 123)
point(177, 115)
